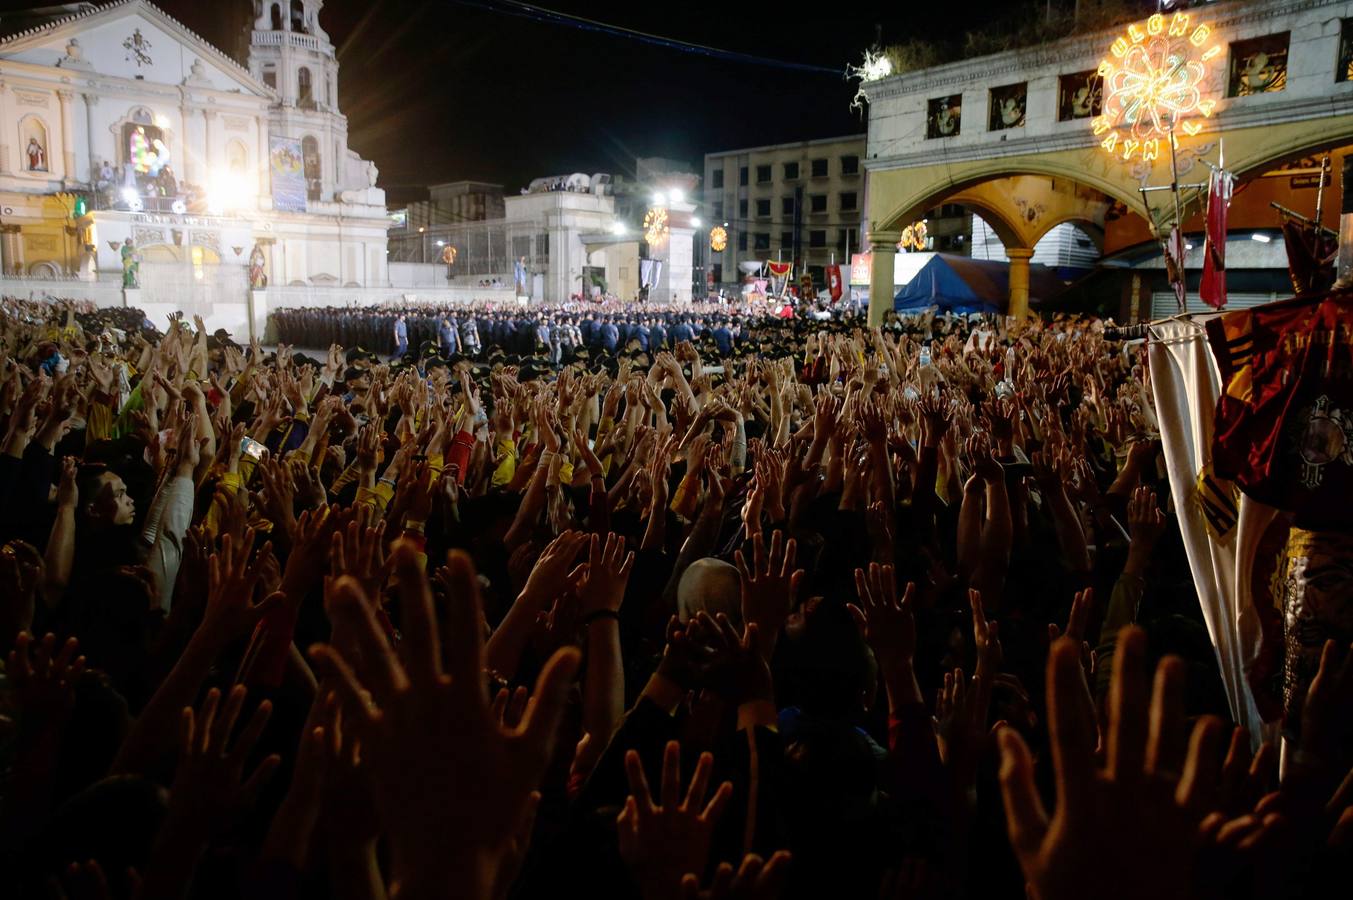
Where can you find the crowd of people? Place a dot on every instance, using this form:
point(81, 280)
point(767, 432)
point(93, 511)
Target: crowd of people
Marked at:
point(572, 333)
point(709, 604)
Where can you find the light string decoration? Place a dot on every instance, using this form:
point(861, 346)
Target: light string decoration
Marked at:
point(914, 236)
point(655, 226)
point(1152, 80)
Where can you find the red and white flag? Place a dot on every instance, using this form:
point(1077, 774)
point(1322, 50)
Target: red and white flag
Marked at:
point(1212, 288)
point(834, 282)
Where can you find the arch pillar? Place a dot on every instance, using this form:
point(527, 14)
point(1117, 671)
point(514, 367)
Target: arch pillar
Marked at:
point(1019, 281)
point(882, 254)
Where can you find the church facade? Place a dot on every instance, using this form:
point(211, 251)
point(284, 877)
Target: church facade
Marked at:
point(134, 155)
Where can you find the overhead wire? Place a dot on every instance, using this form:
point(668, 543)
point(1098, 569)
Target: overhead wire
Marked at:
point(550, 16)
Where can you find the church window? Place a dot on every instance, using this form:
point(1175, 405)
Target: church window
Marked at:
point(276, 17)
point(270, 75)
point(305, 88)
point(313, 170)
point(298, 16)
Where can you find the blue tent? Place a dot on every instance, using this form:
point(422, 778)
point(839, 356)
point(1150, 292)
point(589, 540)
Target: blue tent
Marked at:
point(961, 284)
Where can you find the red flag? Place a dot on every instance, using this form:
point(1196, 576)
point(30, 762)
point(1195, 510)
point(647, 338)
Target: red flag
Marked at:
point(834, 282)
point(1212, 288)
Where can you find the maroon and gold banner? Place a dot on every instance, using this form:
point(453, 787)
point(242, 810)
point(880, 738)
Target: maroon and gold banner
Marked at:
point(1284, 423)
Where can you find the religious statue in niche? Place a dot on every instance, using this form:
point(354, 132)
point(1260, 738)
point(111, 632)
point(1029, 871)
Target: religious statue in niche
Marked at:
point(1258, 66)
point(37, 156)
point(1007, 107)
point(945, 116)
point(131, 265)
point(1079, 96)
point(138, 49)
point(258, 279)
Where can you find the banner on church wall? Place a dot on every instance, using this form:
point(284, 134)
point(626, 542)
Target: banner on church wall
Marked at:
point(287, 168)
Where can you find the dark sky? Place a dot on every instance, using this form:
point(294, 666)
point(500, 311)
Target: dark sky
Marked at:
point(436, 90)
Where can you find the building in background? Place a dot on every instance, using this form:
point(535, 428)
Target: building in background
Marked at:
point(573, 235)
point(455, 202)
point(802, 200)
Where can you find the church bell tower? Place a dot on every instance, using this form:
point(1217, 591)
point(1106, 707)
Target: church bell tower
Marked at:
point(290, 53)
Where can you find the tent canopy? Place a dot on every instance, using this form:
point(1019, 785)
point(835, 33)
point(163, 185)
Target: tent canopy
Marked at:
point(961, 284)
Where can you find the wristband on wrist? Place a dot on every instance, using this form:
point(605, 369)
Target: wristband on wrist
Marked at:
point(600, 614)
point(414, 525)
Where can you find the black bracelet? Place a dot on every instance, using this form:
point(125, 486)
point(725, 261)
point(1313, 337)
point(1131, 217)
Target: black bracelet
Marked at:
point(600, 614)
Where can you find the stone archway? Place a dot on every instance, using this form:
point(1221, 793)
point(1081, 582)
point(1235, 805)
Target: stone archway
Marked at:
point(1021, 203)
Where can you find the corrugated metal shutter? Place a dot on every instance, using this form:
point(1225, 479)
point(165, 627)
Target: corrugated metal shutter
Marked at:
point(1164, 304)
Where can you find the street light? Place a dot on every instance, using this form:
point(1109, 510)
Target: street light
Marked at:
point(695, 221)
point(677, 195)
point(659, 199)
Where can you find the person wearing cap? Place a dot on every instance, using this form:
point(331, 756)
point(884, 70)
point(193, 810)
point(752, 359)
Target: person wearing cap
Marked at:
point(469, 337)
point(682, 331)
point(401, 333)
point(610, 336)
point(723, 338)
point(448, 338)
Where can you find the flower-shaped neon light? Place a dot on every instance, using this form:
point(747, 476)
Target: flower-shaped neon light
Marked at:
point(1153, 80)
point(718, 239)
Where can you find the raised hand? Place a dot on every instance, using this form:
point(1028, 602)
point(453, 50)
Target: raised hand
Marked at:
point(452, 784)
point(231, 613)
point(1131, 818)
point(358, 550)
point(22, 574)
point(210, 783)
point(1146, 522)
point(663, 842)
point(551, 569)
point(770, 586)
point(888, 624)
point(44, 685)
point(754, 879)
point(608, 572)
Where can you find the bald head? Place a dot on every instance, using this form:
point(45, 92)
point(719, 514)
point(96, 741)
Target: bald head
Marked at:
point(710, 585)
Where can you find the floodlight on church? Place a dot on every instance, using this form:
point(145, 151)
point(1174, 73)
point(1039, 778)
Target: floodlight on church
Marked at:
point(676, 195)
point(224, 190)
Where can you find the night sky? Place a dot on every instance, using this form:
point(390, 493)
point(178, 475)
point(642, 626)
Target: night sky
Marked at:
point(437, 90)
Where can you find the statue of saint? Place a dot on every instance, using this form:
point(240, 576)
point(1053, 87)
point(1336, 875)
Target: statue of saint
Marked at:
point(258, 279)
point(37, 156)
point(131, 265)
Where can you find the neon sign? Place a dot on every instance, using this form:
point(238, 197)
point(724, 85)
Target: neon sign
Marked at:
point(655, 225)
point(1152, 80)
point(718, 239)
